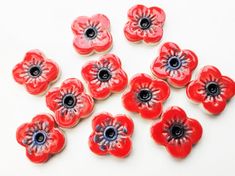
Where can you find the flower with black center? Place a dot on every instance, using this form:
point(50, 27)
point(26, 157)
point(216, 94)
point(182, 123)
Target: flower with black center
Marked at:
point(146, 96)
point(92, 34)
point(144, 24)
point(36, 72)
point(176, 132)
point(41, 138)
point(111, 135)
point(105, 76)
point(174, 65)
point(69, 103)
point(212, 89)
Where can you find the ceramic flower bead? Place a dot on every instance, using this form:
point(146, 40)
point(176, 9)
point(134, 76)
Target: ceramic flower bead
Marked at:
point(144, 24)
point(69, 103)
point(174, 65)
point(211, 89)
point(176, 132)
point(92, 34)
point(105, 76)
point(111, 135)
point(146, 96)
point(41, 138)
point(36, 72)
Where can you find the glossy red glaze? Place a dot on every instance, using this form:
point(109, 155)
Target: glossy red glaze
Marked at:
point(146, 96)
point(40, 138)
point(92, 34)
point(144, 24)
point(36, 72)
point(176, 132)
point(104, 76)
point(111, 135)
point(213, 99)
point(174, 65)
point(69, 103)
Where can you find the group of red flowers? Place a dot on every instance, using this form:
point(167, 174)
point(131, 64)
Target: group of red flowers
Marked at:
point(42, 137)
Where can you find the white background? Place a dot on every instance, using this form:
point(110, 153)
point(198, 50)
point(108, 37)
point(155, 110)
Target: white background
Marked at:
point(206, 27)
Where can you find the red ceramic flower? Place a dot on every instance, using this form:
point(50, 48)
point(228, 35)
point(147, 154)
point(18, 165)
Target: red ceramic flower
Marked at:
point(92, 34)
point(146, 96)
point(174, 65)
point(104, 76)
point(69, 103)
point(36, 72)
point(211, 89)
point(144, 24)
point(111, 135)
point(40, 138)
point(176, 132)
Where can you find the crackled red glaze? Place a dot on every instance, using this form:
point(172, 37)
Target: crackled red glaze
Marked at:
point(176, 132)
point(212, 89)
point(41, 138)
point(104, 76)
point(111, 135)
point(92, 34)
point(69, 103)
point(36, 72)
point(174, 65)
point(144, 24)
point(146, 96)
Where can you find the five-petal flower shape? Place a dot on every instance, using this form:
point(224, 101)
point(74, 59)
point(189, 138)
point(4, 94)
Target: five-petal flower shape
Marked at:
point(41, 138)
point(211, 89)
point(111, 135)
point(146, 96)
point(36, 72)
point(174, 65)
point(69, 103)
point(176, 132)
point(144, 24)
point(105, 76)
point(92, 34)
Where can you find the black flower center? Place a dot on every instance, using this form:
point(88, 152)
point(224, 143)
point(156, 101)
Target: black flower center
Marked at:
point(69, 101)
point(35, 71)
point(174, 63)
point(177, 131)
point(145, 23)
point(104, 74)
point(212, 89)
point(110, 133)
point(40, 137)
point(91, 33)
point(145, 95)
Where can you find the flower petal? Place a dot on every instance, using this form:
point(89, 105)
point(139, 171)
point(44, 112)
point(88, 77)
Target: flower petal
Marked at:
point(209, 72)
point(34, 56)
point(153, 35)
point(157, 133)
point(67, 119)
point(95, 147)
point(169, 49)
point(162, 88)
point(159, 15)
point(103, 41)
point(173, 113)
point(89, 71)
point(99, 91)
point(140, 80)
point(129, 101)
point(158, 68)
point(195, 91)
point(179, 150)
point(80, 24)
point(151, 112)
point(82, 45)
point(38, 157)
point(88, 105)
point(52, 70)
point(122, 149)
point(229, 87)
point(72, 84)
point(36, 86)
point(58, 141)
point(119, 81)
point(101, 119)
point(191, 57)
point(101, 18)
point(181, 78)
point(51, 96)
point(111, 61)
point(44, 118)
point(20, 133)
point(195, 130)
point(214, 106)
point(138, 11)
point(18, 72)
point(125, 122)
point(132, 31)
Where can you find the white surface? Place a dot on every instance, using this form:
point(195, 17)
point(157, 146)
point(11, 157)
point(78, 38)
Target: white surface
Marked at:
point(206, 27)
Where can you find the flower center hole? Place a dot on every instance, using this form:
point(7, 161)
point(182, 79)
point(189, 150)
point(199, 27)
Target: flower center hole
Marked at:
point(69, 101)
point(145, 95)
point(91, 33)
point(104, 75)
point(35, 71)
point(174, 63)
point(213, 89)
point(110, 133)
point(145, 23)
point(177, 131)
point(40, 138)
